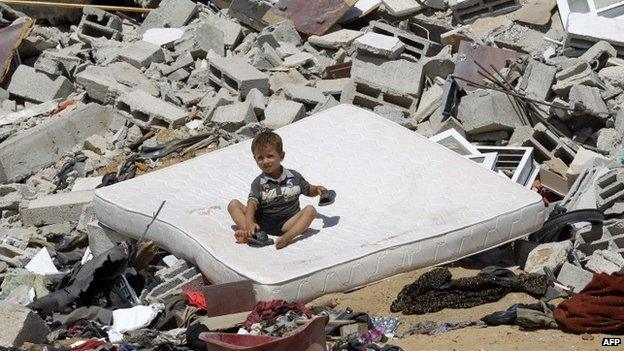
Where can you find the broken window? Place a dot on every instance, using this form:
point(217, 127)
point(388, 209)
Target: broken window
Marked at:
point(604, 8)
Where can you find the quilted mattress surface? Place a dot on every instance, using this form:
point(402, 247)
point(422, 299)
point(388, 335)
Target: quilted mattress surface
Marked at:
point(402, 202)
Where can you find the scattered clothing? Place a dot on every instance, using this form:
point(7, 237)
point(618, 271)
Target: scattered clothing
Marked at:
point(527, 316)
point(598, 308)
point(424, 327)
point(125, 319)
point(436, 290)
point(447, 326)
point(389, 325)
point(266, 310)
point(93, 313)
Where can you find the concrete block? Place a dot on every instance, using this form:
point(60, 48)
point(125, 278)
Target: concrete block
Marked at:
point(209, 103)
point(488, 111)
point(599, 53)
point(279, 113)
point(369, 96)
point(57, 208)
point(396, 115)
point(14, 256)
point(307, 95)
point(585, 29)
point(250, 12)
point(19, 325)
point(400, 8)
point(12, 194)
point(609, 190)
point(257, 101)
point(235, 116)
point(401, 76)
point(580, 73)
point(578, 163)
point(612, 74)
point(237, 76)
point(96, 23)
point(171, 285)
point(587, 100)
point(183, 61)
point(380, 45)
point(267, 58)
point(466, 11)
point(604, 261)
point(302, 59)
point(210, 37)
point(332, 87)
point(141, 54)
point(170, 14)
point(56, 229)
point(414, 45)
point(232, 31)
point(335, 40)
point(106, 83)
point(550, 255)
point(537, 80)
point(97, 144)
point(546, 144)
point(31, 150)
point(102, 238)
point(430, 101)
point(34, 86)
point(147, 111)
point(283, 32)
point(575, 277)
point(278, 79)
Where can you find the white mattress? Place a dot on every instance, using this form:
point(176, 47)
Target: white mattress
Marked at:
point(403, 202)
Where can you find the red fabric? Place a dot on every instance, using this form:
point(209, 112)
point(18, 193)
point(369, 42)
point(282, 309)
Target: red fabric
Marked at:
point(599, 308)
point(196, 298)
point(88, 345)
point(264, 310)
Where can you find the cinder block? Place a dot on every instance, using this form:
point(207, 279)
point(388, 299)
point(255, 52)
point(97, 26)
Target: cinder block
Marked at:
point(210, 37)
point(309, 96)
point(380, 45)
point(279, 113)
point(414, 45)
point(401, 76)
point(31, 150)
point(147, 111)
point(171, 285)
point(578, 74)
point(585, 29)
point(56, 208)
point(250, 12)
point(19, 325)
point(546, 145)
point(97, 23)
point(13, 256)
point(232, 31)
point(466, 11)
point(102, 238)
point(141, 54)
point(537, 80)
point(587, 101)
point(400, 8)
point(237, 76)
point(232, 117)
point(170, 14)
point(609, 190)
point(368, 96)
point(335, 40)
point(488, 111)
point(575, 277)
point(104, 84)
point(34, 86)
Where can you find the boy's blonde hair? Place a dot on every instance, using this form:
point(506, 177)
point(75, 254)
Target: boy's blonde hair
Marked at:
point(265, 138)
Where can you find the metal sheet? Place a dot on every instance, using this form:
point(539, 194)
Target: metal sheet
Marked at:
point(309, 17)
point(10, 39)
point(486, 56)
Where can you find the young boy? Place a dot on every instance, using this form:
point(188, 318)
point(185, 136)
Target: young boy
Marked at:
point(273, 203)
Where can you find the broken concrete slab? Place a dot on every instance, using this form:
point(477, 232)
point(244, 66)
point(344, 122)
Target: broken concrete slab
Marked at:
point(549, 255)
point(466, 11)
point(584, 30)
point(400, 8)
point(575, 277)
point(237, 76)
point(414, 45)
point(302, 59)
point(210, 37)
point(250, 12)
point(19, 325)
point(545, 143)
point(170, 13)
point(587, 101)
point(232, 117)
point(537, 80)
point(304, 94)
point(613, 75)
point(257, 101)
point(279, 113)
point(369, 96)
point(57, 208)
point(380, 45)
point(578, 163)
point(34, 86)
point(536, 12)
point(148, 111)
point(162, 36)
point(605, 261)
point(335, 40)
point(488, 111)
point(104, 84)
point(400, 76)
point(232, 31)
point(34, 149)
point(332, 87)
point(141, 54)
point(102, 238)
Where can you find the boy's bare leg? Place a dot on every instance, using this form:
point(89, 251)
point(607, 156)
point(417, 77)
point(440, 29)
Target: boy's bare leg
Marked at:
point(237, 212)
point(295, 226)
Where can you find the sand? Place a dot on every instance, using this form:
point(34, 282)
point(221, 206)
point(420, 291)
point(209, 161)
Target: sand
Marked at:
point(376, 299)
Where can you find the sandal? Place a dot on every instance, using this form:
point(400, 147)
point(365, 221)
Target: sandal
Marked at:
point(327, 198)
point(260, 239)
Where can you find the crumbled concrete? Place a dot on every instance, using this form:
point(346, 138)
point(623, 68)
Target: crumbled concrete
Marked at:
point(19, 325)
point(142, 54)
point(105, 83)
point(232, 117)
point(587, 100)
point(488, 111)
point(170, 13)
point(279, 113)
point(210, 37)
point(381, 45)
point(573, 276)
point(147, 111)
point(57, 208)
point(304, 94)
point(257, 101)
point(96, 143)
point(537, 80)
point(550, 255)
point(604, 261)
point(237, 76)
point(335, 40)
point(399, 8)
point(33, 86)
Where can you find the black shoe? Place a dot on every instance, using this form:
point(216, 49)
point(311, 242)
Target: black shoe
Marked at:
point(260, 239)
point(327, 198)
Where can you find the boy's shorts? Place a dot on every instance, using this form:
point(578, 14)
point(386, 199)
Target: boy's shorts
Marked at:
point(271, 225)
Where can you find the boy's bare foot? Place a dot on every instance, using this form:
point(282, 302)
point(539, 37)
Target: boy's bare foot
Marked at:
point(281, 243)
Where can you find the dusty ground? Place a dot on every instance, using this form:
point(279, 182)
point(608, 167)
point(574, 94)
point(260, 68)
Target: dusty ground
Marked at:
point(376, 299)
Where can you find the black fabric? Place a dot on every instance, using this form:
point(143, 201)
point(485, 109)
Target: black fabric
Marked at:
point(192, 336)
point(436, 290)
point(260, 239)
point(87, 283)
point(93, 313)
point(271, 225)
point(528, 316)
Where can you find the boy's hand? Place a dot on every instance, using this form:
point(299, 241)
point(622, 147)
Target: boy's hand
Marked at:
point(242, 235)
point(320, 190)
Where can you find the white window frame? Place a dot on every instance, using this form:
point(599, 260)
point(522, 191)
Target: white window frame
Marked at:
point(453, 134)
point(564, 10)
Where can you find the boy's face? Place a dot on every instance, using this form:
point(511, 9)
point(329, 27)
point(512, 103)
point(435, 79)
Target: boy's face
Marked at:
point(269, 159)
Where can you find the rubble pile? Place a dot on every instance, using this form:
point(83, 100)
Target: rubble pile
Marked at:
point(523, 88)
